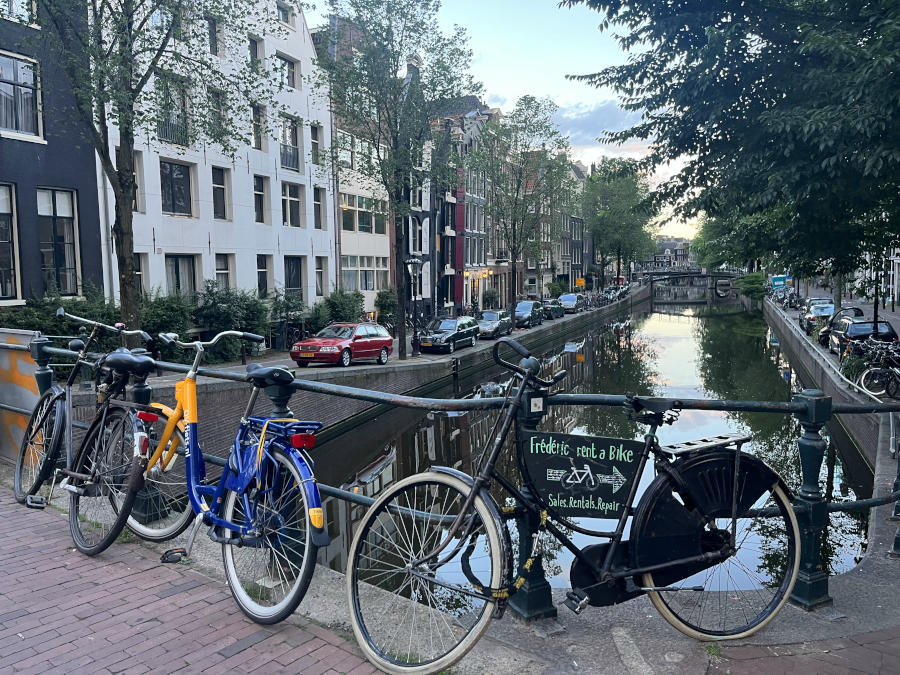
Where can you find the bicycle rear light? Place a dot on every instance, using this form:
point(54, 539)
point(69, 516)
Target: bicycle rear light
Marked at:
point(305, 441)
point(147, 416)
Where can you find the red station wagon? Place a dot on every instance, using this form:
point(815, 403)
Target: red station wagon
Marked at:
point(343, 343)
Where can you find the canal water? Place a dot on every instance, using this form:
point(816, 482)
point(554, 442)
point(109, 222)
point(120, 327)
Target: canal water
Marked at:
point(685, 351)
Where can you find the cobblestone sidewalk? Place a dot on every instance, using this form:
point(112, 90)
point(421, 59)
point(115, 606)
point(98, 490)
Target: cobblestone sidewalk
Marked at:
point(123, 611)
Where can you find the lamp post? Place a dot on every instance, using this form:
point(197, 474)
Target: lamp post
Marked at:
point(412, 266)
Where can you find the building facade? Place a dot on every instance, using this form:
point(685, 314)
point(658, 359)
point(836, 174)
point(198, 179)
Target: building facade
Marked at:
point(49, 224)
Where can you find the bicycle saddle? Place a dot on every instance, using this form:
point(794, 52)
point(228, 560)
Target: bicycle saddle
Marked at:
point(262, 376)
point(123, 361)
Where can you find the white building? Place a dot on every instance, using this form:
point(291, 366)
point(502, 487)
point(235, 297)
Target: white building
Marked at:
point(264, 219)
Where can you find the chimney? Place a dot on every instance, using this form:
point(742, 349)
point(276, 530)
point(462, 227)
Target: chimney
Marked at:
point(413, 67)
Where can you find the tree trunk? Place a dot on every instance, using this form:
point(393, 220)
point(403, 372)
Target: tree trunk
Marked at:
point(875, 304)
point(513, 281)
point(837, 287)
point(123, 233)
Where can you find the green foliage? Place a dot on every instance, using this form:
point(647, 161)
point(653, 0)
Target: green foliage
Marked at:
point(286, 307)
point(752, 285)
point(557, 288)
point(817, 329)
point(852, 367)
point(490, 297)
point(345, 305)
point(220, 309)
point(386, 305)
point(319, 317)
point(162, 313)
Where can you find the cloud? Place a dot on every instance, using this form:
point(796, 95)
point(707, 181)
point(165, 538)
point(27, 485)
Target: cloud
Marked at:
point(585, 123)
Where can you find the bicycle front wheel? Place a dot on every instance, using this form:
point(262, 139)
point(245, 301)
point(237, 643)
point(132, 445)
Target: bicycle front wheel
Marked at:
point(874, 381)
point(269, 573)
point(162, 509)
point(422, 617)
point(99, 506)
point(40, 446)
point(744, 587)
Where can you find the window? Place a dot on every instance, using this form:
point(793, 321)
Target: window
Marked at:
point(367, 280)
point(263, 275)
point(255, 48)
point(348, 212)
point(56, 234)
point(414, 235)
point(345, 150)
point(175, 184)
point(321, 275)
point(290, 148)
point(291, 205)
point(180, 274)
point(223, 270)
point(217, 112)
point(315, 134)
point(287, 69)
point(285, 15)
point(171, 125)
point(259, 127)
point(220, 204)
point(349, 280)
point(17, 9)
point(260, 198)
point(380, 216)
point(318, 214)
point(139, 273)
point(18, 95)
point(212, 27)
point(364, 216)
point(8, 281)
point(293, 274)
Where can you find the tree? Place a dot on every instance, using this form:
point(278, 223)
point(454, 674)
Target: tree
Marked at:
point(774, 104)
point(523, 156)
point(389, 71)
point(151, 68)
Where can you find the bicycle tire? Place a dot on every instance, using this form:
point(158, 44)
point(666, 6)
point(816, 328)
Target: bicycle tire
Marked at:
point(280, 485)
point(99, 508)
point(743, 591)
point(873, 381)
point(162, 509)
point(452, 612)
point(893, 385)
point(37, 455)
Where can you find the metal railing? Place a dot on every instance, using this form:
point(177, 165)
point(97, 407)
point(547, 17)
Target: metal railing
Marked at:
point(811, 408)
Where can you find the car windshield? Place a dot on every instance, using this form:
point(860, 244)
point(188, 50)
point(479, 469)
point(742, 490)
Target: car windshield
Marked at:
point(569, 297)
point(865, 328)
point(524, 306)
point(490, 316)
point(822, 310)
point(441, 324)
point(335, 332)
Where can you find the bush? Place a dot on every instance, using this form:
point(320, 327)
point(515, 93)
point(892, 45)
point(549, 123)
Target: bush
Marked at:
point(286, 307)
point(161, 313)
point(345, 305)
point(386, 305)
point(319, 317)
point(852, 367)
point(221, 309)
point(490, 296)
point(557, 288)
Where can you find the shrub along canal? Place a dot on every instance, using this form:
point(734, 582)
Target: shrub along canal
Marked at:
point(680, 352)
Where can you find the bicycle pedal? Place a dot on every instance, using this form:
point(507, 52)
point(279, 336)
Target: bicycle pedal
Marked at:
point(173, 555)
point(576, 600)
point(35, 501)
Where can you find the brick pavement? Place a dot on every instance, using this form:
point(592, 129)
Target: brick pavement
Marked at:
point(123, 611)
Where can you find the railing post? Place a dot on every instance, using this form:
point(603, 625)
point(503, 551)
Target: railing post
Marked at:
point(85, 368)
point(280, 395)
point(811, 589)
point(534, 600)
point(43, 374)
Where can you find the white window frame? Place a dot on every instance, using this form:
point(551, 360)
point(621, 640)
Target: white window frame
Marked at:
point(18, 135)
point(288, 71)
point(224, 273)
point(300, 198)
point(265, 199)
point(267, 269)
point(225, 187)
point(192, 177)
point(17, 277)
point(75, 231)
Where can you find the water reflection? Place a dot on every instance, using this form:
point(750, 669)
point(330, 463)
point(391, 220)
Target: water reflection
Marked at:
point(691, 353)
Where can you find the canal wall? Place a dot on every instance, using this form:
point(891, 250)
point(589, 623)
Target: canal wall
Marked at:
point(817, 367)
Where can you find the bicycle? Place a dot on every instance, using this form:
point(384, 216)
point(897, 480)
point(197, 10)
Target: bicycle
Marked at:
point(431, 561)
point(265, 509)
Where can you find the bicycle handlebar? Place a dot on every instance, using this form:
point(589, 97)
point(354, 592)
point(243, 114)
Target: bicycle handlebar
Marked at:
point(118, 328)
point(172, 338)
point(521, 369)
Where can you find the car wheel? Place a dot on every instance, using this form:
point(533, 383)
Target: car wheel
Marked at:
point(346, 358)
point(383, 356)
point(451, 347)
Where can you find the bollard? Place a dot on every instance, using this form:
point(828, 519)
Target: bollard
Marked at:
point(42, 374)
point(811, 589)
point(280, 395)
point(86, 379)
point(534, 599)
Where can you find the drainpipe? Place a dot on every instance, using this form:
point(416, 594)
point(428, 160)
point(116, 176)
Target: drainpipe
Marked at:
point(109, 240)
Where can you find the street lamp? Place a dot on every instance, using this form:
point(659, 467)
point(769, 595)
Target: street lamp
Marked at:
point(412, 266)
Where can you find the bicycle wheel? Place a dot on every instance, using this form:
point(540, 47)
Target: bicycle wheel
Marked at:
point(39, 450)
point(873, 380)
point(426, 618)
point(739, 591)
point(99, 507)
point(161, 508)
point(269, 574)
point(893, 385)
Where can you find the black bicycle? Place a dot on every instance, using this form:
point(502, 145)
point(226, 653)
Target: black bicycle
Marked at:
point(714, 541)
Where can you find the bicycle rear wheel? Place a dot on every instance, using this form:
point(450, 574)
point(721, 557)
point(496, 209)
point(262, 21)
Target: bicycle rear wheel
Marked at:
point(162, 509)
point(39, 450)
point(268, 576)
point(422, 619)
point(99, 507)
point(874, 380)
point(740, 591)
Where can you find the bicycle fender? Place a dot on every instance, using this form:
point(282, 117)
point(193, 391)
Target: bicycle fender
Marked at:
point(168, 412)
point(316, 512)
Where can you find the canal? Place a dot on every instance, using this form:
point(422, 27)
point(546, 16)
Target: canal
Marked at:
point(679, 351)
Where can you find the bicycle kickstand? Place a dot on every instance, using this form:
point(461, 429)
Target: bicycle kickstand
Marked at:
point(174, 555)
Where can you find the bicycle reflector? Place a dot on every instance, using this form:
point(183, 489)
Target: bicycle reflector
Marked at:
point(147, 416)
point(305, 441)
point(317, 518)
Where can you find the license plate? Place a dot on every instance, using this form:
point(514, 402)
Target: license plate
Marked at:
point(425, 343)
point(307, 355)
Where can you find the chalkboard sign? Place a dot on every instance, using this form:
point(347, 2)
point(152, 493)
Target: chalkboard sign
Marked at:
point(581, 475)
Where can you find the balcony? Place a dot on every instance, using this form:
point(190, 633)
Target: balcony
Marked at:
point(290, 157)
point(172, 130)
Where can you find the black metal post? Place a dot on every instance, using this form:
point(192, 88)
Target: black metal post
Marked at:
point(85, 368)
point(415, 335)
point(811, 589)
point(280, 395)
point(42, 374)
point(534, 599)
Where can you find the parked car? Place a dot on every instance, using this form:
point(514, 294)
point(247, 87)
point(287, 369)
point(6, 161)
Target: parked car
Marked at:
point(494, 322)
point(344, 343)
point(816, 314)
point(553, 308)
point(529, 313)
point(806, 303)
point(825, 331)
point(572, 302)
point(448, 333)
point(858, 328)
